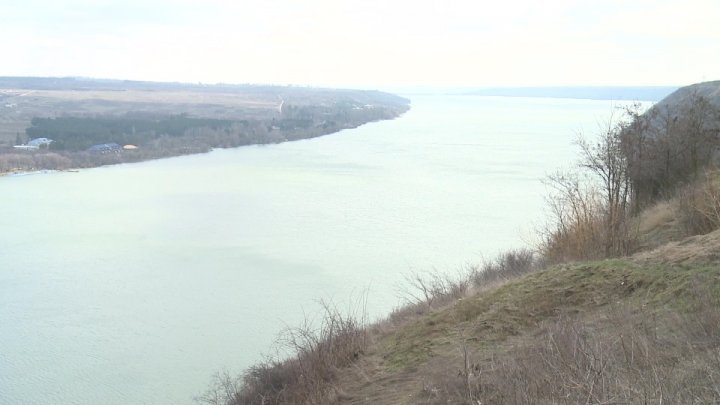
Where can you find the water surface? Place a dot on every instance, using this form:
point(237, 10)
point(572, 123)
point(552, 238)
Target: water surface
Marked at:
point(134, 283)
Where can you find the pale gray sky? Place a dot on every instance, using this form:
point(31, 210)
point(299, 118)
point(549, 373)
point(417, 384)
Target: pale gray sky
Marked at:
point(366, 43)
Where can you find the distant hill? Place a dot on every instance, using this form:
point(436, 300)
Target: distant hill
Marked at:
point(86, 83)
point(703, 98)
point(634, 93)
point(670, 144)
point(708, 90)
point(92, 84)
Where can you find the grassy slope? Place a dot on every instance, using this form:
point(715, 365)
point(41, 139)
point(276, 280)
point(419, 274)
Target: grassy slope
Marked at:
point(423, 360)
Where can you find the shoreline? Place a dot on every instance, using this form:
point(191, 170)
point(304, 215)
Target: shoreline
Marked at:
point(128, 157)
point(82, 123)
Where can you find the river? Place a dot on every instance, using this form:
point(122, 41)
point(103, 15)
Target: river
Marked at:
point(134, 283)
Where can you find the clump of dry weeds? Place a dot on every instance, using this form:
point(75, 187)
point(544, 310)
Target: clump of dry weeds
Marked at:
point(306, 377)
point(424, 292)
point(698, 204)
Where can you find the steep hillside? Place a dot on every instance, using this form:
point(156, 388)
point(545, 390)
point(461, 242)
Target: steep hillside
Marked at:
point(670, 145)
point(587, 332)
point(643, 329)
point(708, 90)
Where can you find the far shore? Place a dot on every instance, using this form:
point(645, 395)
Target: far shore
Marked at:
point(75, 123)
point(63, 161)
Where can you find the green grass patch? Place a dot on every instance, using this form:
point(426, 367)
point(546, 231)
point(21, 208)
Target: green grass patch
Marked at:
point(513, 308)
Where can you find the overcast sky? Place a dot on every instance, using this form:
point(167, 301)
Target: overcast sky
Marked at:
point(366, 43)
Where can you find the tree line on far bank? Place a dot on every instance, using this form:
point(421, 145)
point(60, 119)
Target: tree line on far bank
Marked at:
point(158, 136)
point(80, 133)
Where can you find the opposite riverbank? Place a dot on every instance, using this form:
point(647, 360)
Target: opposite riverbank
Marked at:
point(69, 123)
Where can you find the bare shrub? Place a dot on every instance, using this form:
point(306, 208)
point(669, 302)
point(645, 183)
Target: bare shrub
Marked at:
point(425, 292)
point(576, 230)
point(224, 389)
point(590, 208)
point(13, 162)
point(506, 266)
point(433, 289)
point(317, 352)
point(52, 161)
point(587, 222)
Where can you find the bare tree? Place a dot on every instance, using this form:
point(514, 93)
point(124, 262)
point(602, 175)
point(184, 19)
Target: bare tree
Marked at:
point(604, 159)
point(590, 208)
point(668, 146)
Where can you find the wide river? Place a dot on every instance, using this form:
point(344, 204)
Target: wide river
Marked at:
point(134, 283)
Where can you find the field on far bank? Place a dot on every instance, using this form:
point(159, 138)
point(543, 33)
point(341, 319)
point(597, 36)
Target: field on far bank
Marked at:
point(19, 106)
point(167, 119)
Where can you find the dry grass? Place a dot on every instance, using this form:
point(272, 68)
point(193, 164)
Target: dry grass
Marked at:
point(582, 225)
point(657, 216)
point(698, 204)
point(658, 225)
point(693, 250)
point(508, 265)
point(557, 336)
point(306, 377)
point(695, 210)
point(424, 292)
point(433, 289)
point(619, 355)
